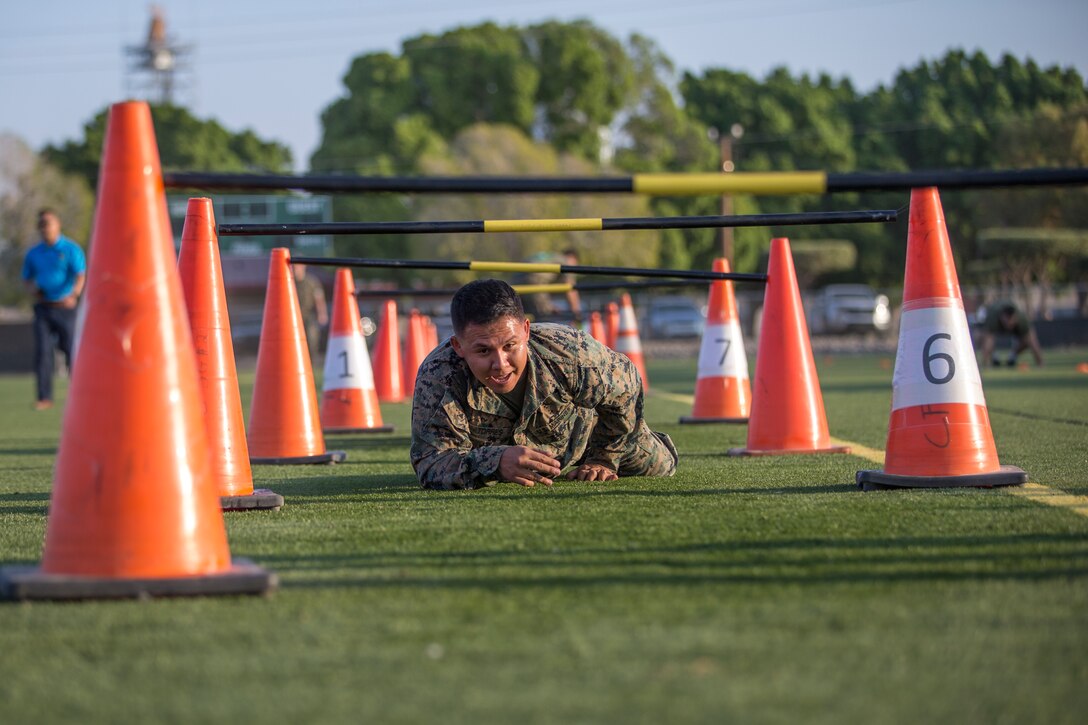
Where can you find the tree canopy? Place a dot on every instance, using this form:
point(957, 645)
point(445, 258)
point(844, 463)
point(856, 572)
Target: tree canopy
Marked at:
point(185, 142)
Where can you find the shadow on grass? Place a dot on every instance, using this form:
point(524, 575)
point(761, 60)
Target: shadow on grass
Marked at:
point(791, 561)
point(367, 440)
point(318, 490)
point(43, 451)
point(1033, 416)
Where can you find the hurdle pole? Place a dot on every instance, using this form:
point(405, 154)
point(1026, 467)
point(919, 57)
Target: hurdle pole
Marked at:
point(557, 288)
point(485, 226)
point(530, 267)
point(674, 184)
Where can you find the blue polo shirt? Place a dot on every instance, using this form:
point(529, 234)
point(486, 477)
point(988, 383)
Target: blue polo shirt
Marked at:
point(54, 267)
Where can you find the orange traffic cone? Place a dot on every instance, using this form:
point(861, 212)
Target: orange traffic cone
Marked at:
point(612, 324)
point(787, 407)
point(349, 401)
point(596, 328)
point(415, 348)
point(206, 300)
point(723, 393)
point(939, 433)
point(627, 340)
point(284, 426)
point(134, 509)
point(432, 335)
point(387, 367)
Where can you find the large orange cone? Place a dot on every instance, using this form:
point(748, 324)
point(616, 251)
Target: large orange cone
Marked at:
point(415, 348)
point(284, 426)
point(939, 433)
point(134, 509)
point(205, 298)
point(387, 366)
point(787, 406)
point(349, 402)
point(627, 339)
point(723, 393)
point(612, 324)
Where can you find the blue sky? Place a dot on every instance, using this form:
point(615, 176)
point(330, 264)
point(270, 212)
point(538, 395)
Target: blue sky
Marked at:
point(272, 65)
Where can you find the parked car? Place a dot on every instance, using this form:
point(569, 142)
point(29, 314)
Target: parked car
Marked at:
point(673, 316)
point(840, 308)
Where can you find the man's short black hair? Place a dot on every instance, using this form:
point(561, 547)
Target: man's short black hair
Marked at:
point(482, 302)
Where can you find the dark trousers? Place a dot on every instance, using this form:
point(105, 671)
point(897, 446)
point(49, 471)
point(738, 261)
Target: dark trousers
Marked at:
point(54, 327)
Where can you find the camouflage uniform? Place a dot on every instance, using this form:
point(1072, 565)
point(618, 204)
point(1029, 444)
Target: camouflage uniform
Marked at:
point(583, 404)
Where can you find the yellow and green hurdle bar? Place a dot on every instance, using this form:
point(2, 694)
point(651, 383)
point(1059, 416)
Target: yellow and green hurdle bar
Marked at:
point(476, 266)
point(737, 182)
point(560, 225)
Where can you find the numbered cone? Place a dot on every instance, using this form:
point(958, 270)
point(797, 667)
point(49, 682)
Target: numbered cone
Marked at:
point(627, 339)
point(284, 426)
point(611, 324)
point(201, 274)
point(723, 393)
point(134, 510)
point(939, 432)
point(349, 401)
point(387, 365)
point(787, 406)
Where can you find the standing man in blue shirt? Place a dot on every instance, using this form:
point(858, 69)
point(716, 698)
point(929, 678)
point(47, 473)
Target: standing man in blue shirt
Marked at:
point(54, 271)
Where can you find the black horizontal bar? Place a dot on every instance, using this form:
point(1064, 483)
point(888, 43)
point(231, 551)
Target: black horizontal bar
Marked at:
point(580, 287)
point(752, 220)
point(618, 224)
point(400, 184)
point(955, 179)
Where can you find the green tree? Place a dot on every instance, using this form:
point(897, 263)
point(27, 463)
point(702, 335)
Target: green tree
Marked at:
point(185, 142)
point(586, 77)
point(504, 150)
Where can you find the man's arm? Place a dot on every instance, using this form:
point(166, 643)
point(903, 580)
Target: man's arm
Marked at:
point(77, 289)
point(442, 453)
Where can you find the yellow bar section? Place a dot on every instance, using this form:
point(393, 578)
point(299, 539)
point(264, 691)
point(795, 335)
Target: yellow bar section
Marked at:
point(515, 267)
point(737, 182)
point(535, 289)
point(542, 225)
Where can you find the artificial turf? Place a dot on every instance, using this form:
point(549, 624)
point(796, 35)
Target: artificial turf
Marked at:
point(754, 590)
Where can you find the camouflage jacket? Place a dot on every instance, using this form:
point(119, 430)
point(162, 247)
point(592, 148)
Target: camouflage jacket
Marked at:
point(583, 404)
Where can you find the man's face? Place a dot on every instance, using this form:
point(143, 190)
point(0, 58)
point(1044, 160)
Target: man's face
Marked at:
point(49, 226)
point(496, 353)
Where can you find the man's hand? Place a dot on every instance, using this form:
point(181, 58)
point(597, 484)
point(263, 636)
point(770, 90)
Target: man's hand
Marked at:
point(527, 466)
point(592, 472)
point(68, 302)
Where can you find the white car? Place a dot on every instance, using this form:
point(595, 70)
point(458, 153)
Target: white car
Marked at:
point(840, 308)
point(674, 316)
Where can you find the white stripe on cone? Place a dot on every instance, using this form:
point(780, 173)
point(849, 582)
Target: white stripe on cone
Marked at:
point(935, 362)
point(722, 353)
point(347, 365)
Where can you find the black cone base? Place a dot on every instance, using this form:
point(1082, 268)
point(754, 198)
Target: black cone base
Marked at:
point(688, 420)
point(880, 481)
point(326, 457)
point(260, 500)
point(24, 583)
point(343, 431)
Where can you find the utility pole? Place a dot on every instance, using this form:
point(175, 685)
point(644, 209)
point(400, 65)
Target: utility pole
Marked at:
point(156, 68)
point(725, 146)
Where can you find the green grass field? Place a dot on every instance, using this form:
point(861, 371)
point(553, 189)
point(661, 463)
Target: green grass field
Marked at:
point(753, 590)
